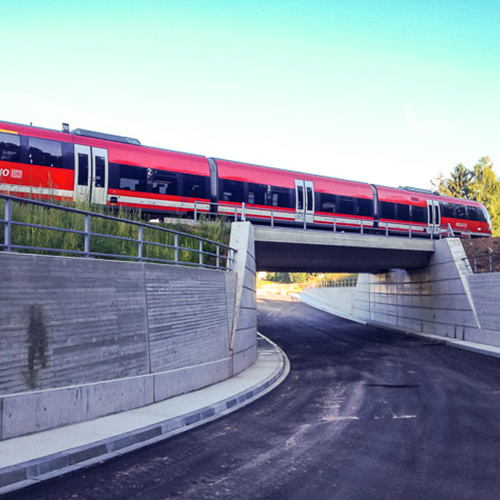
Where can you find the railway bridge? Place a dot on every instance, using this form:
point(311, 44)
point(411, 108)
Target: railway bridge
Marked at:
point(280, 249)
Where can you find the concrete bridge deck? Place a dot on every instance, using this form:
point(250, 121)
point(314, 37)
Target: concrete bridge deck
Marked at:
point(284, 249)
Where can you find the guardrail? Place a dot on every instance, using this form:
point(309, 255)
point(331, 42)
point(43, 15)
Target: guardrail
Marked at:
point(91, 234)
point(348, 281)
point(485, 263)
point(278, 217)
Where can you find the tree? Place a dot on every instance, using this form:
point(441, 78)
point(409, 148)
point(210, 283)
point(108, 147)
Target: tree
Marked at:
point(485, 188)
point(278, 277)
point(458, 184)
point(479, 183)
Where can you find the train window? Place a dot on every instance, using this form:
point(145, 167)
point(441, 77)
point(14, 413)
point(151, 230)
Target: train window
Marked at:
point(10, 147)
point(418, 214)
point(309, 195)
point(232, 191)
point(100, 171)
point(447, 210)
point(346, 205)
point(257, 194)
point(482, 215)
point(461, 211)
point(164, 182)
point(133, 178)
point(44, 152)
point(68, 152)
point(194, 186)
point(388, 210)
point(328, 202)
point(365, 207)
point(472, 213)
point(281, 197)
point(83, 169)
point(403, 212)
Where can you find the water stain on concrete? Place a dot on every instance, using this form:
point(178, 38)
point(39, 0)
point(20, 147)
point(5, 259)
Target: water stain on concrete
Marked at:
point(37, 344)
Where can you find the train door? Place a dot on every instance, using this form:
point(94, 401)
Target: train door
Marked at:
point(304, 200)
point(91, 174)
point(433, 216)
point(99, 176)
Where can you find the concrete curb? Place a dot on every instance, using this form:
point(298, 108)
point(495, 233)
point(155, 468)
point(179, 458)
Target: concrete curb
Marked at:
point(31, 472)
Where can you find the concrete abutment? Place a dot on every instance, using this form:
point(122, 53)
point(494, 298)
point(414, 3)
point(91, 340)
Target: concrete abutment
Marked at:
point(444, 298)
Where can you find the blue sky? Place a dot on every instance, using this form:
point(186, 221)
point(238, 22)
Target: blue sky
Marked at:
point(388, 92)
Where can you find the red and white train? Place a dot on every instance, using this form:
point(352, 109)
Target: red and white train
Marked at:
point(114, 170)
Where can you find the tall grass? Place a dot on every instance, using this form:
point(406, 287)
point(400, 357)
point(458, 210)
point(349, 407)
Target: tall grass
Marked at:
point(111, 239)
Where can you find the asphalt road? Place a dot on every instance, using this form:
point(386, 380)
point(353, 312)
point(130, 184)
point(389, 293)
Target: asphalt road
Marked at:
point(364, 414)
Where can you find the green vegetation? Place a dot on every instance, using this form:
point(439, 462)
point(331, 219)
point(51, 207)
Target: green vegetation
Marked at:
point(305, 278)
point(480, 183)
point(111, 239)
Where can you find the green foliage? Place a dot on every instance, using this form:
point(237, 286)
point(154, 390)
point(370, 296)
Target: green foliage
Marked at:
point(479, 183)
point(301, 278)
point(278, 277)
point(458, 184)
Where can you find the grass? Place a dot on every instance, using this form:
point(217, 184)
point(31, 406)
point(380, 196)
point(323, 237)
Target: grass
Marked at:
point(112, 239)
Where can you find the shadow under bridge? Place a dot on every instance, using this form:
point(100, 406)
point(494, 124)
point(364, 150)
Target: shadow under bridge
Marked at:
point(283, 249)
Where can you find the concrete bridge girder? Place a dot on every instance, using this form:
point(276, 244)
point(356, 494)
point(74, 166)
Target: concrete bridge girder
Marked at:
point(284, 249)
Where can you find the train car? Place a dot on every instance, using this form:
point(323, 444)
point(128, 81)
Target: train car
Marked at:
point(289, 196)
point(100, 168)
point(428, 212)
point(114, 170)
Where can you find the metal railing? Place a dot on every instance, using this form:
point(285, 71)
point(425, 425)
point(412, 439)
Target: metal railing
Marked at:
point(278, 217)
point(135, 241)
point(348, 281)
point(486, 263)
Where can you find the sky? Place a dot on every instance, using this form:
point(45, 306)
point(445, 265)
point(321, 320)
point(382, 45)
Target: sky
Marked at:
point(391, 92)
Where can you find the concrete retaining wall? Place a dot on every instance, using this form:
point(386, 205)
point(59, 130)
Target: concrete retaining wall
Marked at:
point(443, 299)
point(338, 301)
point(83, 338)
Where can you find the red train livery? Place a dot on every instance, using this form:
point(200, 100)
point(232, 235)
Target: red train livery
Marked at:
point(115, 170)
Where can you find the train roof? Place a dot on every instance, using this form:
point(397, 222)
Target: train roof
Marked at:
point(91, 134)
point(243, 172)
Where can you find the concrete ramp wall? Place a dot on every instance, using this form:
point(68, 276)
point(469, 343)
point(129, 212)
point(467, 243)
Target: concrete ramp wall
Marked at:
point(444, 298)
point(84, 338)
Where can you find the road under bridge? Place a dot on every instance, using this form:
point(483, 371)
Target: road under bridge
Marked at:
point(363, 414)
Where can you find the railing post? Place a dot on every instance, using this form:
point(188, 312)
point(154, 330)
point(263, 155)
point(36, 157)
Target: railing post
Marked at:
point(410, 232)
point(387, 229)
point(361, 226)
point(8, 225)
point(217, 259)
point(475, 265)
point(243, 212)
point(176, 248)
point(491, 264)
point(201, 252)
point(334, 225)
point(195, 211)
point(272, 218)
point(235, 213)
point(140, 249)
point(87, 236)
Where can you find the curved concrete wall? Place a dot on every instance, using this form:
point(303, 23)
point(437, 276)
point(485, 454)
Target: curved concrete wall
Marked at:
point(83, 338)
point(444, 298)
